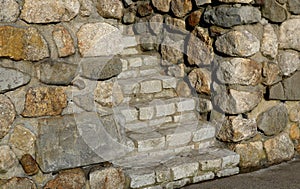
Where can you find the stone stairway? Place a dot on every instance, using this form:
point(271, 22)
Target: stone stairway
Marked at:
point(169, 146)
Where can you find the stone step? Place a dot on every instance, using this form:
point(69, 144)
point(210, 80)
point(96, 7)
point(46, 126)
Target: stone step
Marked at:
point(179, 169)
point(157, 110)
point(192, 135)
point(140, 66)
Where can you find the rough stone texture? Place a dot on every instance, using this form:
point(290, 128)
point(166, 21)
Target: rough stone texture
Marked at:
point(11, 79)
point(228, 16)
point(289, 34)
point(156, 23)
point(101, 68)
point(7, 158)
point(22, 141)
point(199, 48)
point(99, 39)
point(200, 79)
point(110, 8)
point(161, 5)
point(294, 111)
point(44, 101)
point(235, 102)
point(73, 178)
point(9, 11)
point(236, 129)
point(287, 89)
point(269, 43)
point(172, 51)
point(202, 2)
point(273, 121)
point(76, 140)
point(181, 7)
point(279, 148)
point(294, 6)
point(107, 178)
point(194, 18)
point(295, 132)
point(252, 154)
point(238, 43)
point(29, 165)
point(239, 71)
point(7, 115)
point(86, 7)
point(18, 183)
point(151, 86)
point(271, 73)
point(273, 11)
point(108, 93)
point(288, 61)
point(141, 177)
point(48, 11)
point(63, 41)
point(235, 1)
point(175, 24)
point(56, 73)
point(144, 9)
point(22, 43)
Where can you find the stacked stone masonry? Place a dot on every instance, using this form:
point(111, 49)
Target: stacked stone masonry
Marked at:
point(146, 93)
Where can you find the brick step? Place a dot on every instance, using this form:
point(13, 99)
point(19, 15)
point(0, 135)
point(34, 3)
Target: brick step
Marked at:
point(140, 66)
point(191, 135)
point(148, 85)
point(179, 169)
point(157, 111)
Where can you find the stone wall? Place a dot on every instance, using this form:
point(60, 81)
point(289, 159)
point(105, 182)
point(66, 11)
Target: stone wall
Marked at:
point(67, 65)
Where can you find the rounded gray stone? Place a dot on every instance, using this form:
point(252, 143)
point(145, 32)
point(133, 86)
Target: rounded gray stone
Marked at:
point(9, 11)
point(7, 115)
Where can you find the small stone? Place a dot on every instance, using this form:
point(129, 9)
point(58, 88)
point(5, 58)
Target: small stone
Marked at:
point(19, 183)
point(202, 2)
point(156, 23)
point(199, 48)
point(86, 7)
point(279, 148)
point(22, 43)
point(183, 167)
point(194, 18)
point(9, 11)
point(239, 71)
point(252, 154)
point(236, 1)
point(271, 73)
point(228, 16)
point(7, 158)
point(200, 79)
point(183, 89)
point(99, 39)
point(236, 129)
point(273, 11)
point(110, 8)
point(110, 177)
point(287, 90)
point(289, 34)
point(273, 121)
point(22, 141)
point(48, 11)
point(56, 73)
point(175, 24)
point(141, 177)
point(180, 8)
point(269, 43)
point(101, 68)
point(228, 172)
point(294, 6)
point(64, 41)
point(172, 51)
point(29, 165)
point(108, 93)
point(73, 178)
point(295, 132)
point(237, 101)
point(144, 9)
point(161, 5)
point(129, 17)
point(44, 101)
point(288, 61)
point(7, 115)
point(238, 43)
point(11, 79)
